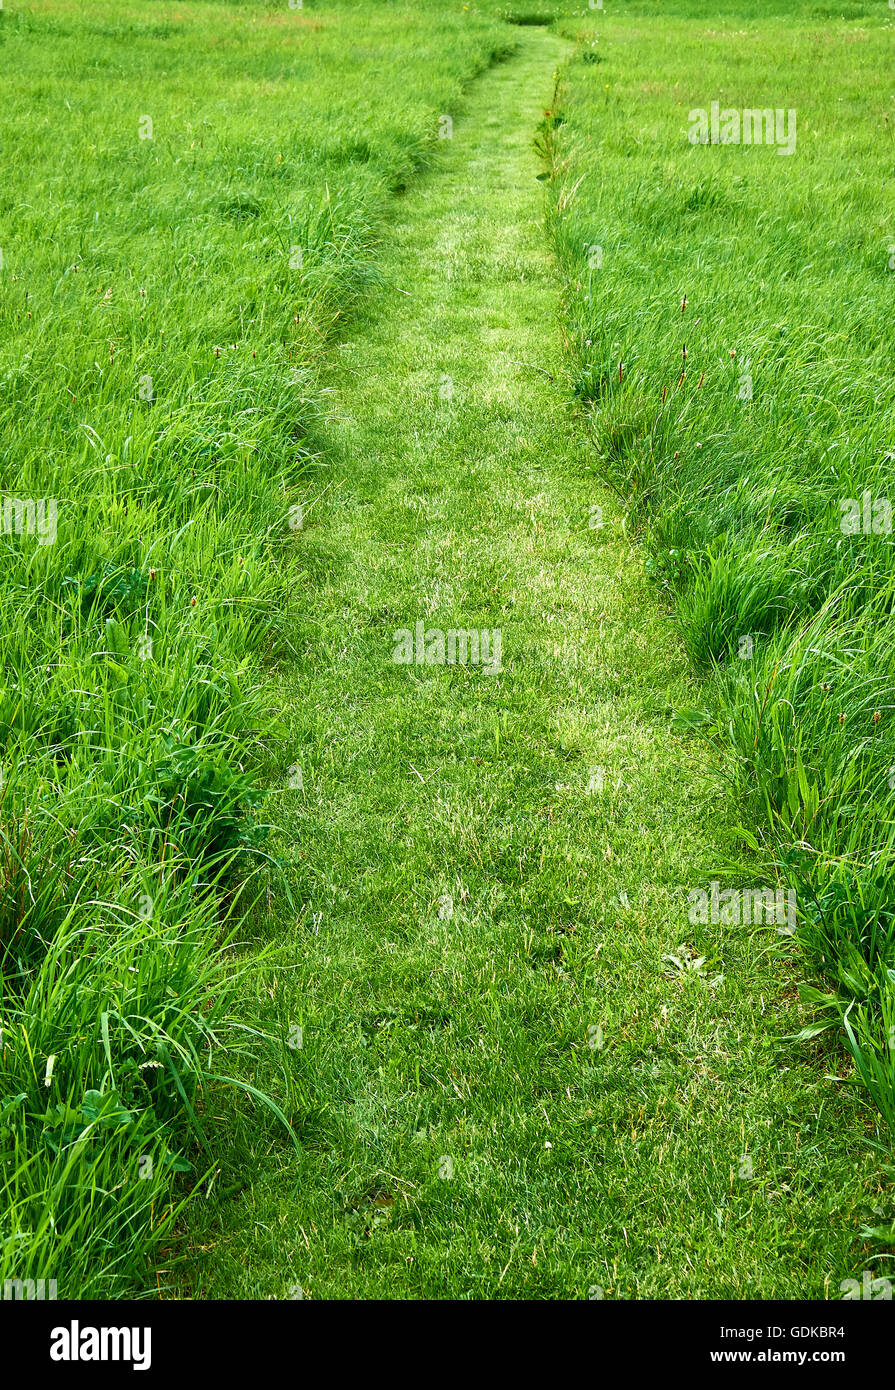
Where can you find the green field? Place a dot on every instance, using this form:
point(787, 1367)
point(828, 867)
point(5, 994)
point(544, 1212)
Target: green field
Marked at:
point(733, 355)
point(332, 967)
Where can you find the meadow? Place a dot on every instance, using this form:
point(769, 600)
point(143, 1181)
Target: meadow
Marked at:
point(729, 312)
point(322, 976)
point(191, 206)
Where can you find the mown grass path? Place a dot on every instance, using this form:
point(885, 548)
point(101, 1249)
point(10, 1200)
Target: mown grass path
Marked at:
point(507, 1091)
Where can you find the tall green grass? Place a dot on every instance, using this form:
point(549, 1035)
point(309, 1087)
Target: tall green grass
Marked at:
point(192, 198)
point(729, 313)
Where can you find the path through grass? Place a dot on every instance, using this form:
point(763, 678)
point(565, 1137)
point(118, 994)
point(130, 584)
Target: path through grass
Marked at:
point(192, 201)
point(519, 1070)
